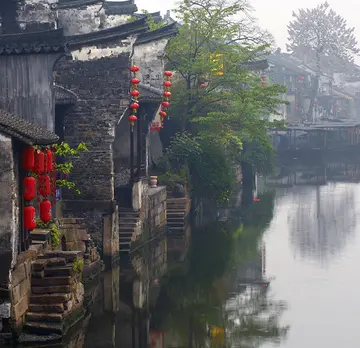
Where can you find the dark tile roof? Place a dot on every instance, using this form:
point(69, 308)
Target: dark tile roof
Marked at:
point(165, 31)
point(64, 96)
point(64, 4)
point(35, 42)
point(121, 31)
point(120, 7)
point(25, 131)
point(286, 63)
point(156, 16)
point(150, 94)
point(256, 65)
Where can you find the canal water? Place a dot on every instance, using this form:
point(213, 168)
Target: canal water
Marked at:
point(280, 271)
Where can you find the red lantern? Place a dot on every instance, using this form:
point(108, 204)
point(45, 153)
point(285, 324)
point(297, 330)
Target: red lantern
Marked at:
point(45, 211)
point(44, 185)
point(263, 77)
point(29, 218)
point(203, 85)
point(134, 69)
point(162, 114)
point(132, 119)
point(165, 104)
point(134, 106)
point(167, 94)
point(135, 81)
point(29, 188)
point(28, 158)
point(167, 83)
point(168, 73)
point(48, 161)
point(39, 163)
point(135, 93)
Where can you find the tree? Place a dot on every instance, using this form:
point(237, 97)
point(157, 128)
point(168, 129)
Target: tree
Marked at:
point(323, 33)
point(217, 100)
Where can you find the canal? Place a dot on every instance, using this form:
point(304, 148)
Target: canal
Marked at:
point(280, 271)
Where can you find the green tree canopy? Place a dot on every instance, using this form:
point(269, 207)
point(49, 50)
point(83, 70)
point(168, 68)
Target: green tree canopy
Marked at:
point(217, 100)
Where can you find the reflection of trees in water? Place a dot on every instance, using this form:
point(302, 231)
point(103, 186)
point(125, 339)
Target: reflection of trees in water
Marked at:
point(195, 296)
point(253, 319)
point(321, 219)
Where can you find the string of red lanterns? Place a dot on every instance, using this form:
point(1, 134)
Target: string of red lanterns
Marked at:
point(28, 163)
point(165, 104)
point(134, 93)
point(263, 80)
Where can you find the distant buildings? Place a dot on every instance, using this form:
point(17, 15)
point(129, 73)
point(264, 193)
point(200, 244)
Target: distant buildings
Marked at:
point(337, 96)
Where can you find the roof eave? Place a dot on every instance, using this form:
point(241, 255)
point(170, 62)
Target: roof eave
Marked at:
point(119, 32)
point(167, 31)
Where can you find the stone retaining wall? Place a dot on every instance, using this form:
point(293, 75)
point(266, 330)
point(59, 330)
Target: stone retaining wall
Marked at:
point(157, 209)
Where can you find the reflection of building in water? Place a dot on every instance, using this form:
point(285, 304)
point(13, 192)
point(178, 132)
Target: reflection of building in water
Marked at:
point(321, 219)
point(315, 175)
point(120, 313)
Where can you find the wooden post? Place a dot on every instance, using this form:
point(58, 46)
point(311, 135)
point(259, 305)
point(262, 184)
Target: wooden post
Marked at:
point(131, 155)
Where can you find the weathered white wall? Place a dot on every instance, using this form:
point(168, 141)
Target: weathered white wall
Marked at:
point(150, 57)
point(37, 11)
point(9, 209)
point(95, 52)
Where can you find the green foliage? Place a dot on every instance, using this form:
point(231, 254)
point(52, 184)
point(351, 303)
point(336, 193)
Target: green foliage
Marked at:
point(55, 233)
point(78, 265)
point(151, 23)
point(212, 174)
point(211, 124)
point(64, 150)
point(322, 31)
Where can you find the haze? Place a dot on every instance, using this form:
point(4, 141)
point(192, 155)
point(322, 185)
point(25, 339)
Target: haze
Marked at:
point(274, 15)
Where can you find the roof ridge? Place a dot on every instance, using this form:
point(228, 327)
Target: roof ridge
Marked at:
point(122, 30)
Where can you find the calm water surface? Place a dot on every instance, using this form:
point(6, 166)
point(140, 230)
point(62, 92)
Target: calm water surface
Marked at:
point(209, 289)
point(313, 250)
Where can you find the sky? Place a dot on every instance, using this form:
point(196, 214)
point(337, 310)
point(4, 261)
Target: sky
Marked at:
point(275, 14)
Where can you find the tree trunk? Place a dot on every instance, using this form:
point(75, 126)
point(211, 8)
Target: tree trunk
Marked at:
point(314, 94)
point(315, 89)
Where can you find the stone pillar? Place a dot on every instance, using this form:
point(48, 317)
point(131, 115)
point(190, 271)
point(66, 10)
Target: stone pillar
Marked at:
point(111, 245)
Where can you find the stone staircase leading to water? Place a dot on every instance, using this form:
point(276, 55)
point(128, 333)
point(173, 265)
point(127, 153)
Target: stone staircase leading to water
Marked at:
point(128, 223)
point(56, 294)
point(177, 210)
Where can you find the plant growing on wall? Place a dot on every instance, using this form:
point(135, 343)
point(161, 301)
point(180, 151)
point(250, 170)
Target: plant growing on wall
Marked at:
point(65, 151)
point(55, 233)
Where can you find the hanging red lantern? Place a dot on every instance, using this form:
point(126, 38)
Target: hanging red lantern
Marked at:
point(203, 85)
point(134, 106)
point(165, 104)
point(168, 73)
point(162, 114)
point(167, 94)
point(48, 161)
point(301, 78)
point(134, 69)
point(167, 83)
point(28, 160)
point(29, 218)
point(132, 119)
point(45, 211)
point(39, 163)
point(263, 77)
point(135, 81)
point(44, 185)
point(29, 188)
point(135, 93)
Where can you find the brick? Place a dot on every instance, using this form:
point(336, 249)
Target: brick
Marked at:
point(20, 290)
point(18, 275)
point(20, 308)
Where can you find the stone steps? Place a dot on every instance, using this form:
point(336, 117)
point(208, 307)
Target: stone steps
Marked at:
point(56, 298)
point(55, 289)
point(41, 328)
point(46, 308)
point(49, 281)
point(47, 317)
